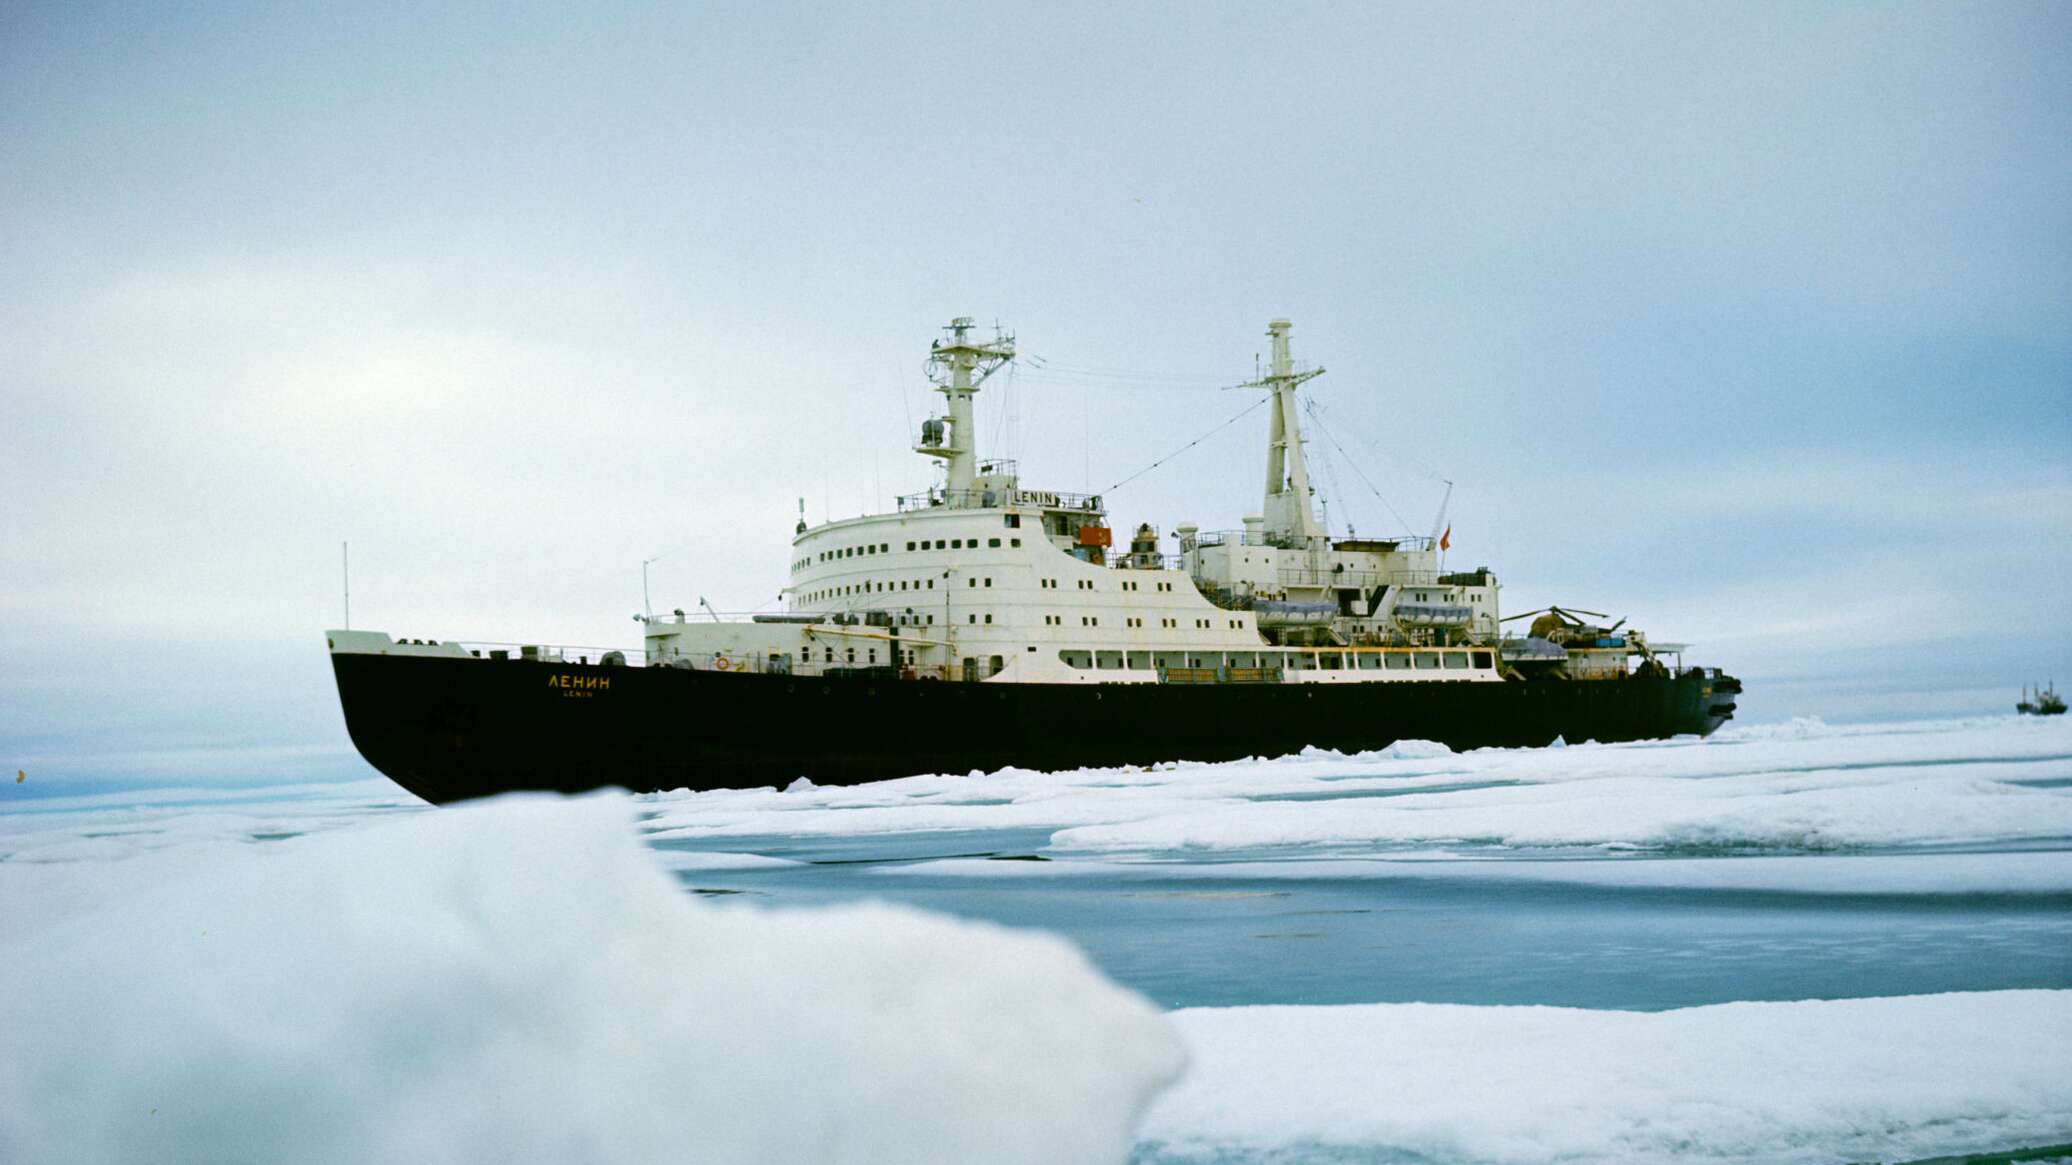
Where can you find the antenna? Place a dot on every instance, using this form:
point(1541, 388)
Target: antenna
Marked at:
point(647, 607)
point(1440, 521)
point(345, 567)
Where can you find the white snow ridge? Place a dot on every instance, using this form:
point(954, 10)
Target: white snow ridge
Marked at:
point(518, 981)
point(1815, 1081)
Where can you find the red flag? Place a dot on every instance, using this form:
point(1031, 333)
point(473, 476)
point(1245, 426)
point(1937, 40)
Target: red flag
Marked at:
point(1446, 539)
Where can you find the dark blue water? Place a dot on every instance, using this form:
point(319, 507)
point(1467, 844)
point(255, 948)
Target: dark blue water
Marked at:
point(1186, 940)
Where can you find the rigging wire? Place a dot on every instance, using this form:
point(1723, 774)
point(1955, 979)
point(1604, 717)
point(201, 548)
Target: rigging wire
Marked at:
point(1376, 448)
point(1044, 364)
point(1333, 438)
point(1038, 368)
point(1191, 444)
point(1040, 377)
point(998, 438)
point(1331, 473)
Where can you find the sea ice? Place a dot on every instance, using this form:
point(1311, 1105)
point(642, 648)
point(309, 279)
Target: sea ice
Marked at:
point(519, 980)
point(1804, 786)
point(1816, 1081)
point(2038, 872)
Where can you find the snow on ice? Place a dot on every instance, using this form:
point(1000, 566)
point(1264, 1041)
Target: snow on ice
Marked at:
point(1803, 786)
point(333, 973)
point(1817, 1081)
point(519, 980)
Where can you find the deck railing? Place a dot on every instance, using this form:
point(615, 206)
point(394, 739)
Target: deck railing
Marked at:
point(976, 499)
point(749, 662)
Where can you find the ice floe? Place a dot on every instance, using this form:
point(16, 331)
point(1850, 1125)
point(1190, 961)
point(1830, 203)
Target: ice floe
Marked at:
point(1814, 1081)
point(517, 980)
point(1804, 786)
point(2038, 872)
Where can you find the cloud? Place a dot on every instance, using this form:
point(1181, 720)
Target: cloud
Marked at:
point(1748, 320)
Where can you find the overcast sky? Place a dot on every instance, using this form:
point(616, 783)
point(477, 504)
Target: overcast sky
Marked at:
point(1751, 322)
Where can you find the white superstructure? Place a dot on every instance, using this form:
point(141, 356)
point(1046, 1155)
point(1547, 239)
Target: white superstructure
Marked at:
point(983, 580)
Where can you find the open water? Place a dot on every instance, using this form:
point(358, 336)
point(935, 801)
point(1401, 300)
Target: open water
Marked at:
point(1190, 935)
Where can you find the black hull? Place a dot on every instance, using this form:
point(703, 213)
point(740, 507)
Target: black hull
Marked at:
point(453, 729)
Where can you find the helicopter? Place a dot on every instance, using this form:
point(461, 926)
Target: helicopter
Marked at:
point(1564, 625)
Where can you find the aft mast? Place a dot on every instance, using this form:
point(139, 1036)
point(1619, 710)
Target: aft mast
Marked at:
point(1290, 521)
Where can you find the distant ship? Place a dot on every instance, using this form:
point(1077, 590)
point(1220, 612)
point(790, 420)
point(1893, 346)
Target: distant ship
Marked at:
point(982, 624)
point(2043, 701)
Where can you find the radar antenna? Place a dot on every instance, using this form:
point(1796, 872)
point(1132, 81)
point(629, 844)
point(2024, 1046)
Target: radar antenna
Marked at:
point(958, 364)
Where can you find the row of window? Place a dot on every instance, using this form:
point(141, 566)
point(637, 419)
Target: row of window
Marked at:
point(871, 588)
point(914, 620)
point(880, 586)
point(1291, 660)
point(1296, 660)
point(871, 548)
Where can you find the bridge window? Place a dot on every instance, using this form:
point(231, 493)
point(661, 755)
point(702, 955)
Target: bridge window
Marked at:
point(1109, 660)
point(1484, 659)
point(1079, 659)
point(1427, 660)
point(1456, 659)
